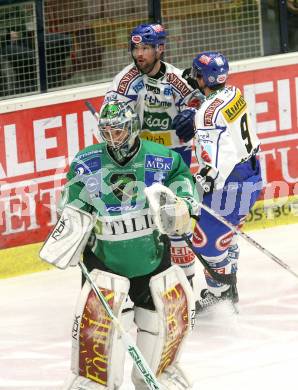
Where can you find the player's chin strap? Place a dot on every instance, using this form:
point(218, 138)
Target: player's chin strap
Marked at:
point(139, 361)
point(160, 197)
point(247, 238)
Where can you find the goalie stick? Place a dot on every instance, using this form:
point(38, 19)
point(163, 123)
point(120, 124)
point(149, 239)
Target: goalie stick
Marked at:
point(128, 342)
point(247, 238)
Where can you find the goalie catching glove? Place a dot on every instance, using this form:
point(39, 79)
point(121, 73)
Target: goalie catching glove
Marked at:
point(170, 213)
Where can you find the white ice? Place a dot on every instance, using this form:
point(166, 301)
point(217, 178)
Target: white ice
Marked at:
point(256, 349)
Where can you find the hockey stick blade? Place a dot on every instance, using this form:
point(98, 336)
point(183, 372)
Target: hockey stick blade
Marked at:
point(221, 278)
point(248, 239)
point(136, 355)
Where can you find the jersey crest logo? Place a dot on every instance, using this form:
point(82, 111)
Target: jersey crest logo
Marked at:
point(122, 186)
point(157, 168)
point(208, 114)
point(224, 241)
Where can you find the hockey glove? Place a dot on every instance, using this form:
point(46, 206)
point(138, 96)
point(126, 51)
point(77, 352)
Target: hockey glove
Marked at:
point(170, 213)
point(184, 124)
point(190, 80)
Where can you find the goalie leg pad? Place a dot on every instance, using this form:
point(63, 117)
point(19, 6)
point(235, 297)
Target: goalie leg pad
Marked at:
point(97, 350)
point(162, 333)
point(175, 378)
point(77, 382)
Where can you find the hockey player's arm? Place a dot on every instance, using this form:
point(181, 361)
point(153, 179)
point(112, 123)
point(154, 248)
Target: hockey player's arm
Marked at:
point(183, 123)
point(182, 184)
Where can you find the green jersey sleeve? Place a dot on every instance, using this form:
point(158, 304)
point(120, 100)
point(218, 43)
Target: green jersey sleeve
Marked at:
point(75, 191)
point(181, 182)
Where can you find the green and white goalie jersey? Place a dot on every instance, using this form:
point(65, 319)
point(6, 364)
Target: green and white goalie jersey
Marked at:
point(126, 239)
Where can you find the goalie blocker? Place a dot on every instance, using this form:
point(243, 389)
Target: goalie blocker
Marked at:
point(65, 243)
point(98, 355)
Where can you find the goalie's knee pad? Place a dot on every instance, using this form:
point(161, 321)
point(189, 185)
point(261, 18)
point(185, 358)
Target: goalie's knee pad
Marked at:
point(162, 333)
point(182, 255)
point(97, 350)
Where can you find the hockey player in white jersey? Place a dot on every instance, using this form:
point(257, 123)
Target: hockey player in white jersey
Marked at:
point(158, 91)
point(229, 170)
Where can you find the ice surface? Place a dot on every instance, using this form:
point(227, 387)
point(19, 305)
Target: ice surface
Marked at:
point(256, 349)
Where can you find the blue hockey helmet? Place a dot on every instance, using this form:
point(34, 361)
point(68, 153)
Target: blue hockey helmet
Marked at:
point(212, 66)
point(148, 34)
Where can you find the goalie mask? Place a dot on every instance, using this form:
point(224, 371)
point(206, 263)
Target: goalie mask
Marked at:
point(119, 126)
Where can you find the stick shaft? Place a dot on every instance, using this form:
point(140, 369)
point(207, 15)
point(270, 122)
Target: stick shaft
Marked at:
point(92, 109)
point(248, 239)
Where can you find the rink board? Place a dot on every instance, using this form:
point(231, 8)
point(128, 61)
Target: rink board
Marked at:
point(40, 135)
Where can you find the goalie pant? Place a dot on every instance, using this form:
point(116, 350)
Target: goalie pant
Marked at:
point(97, 349)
